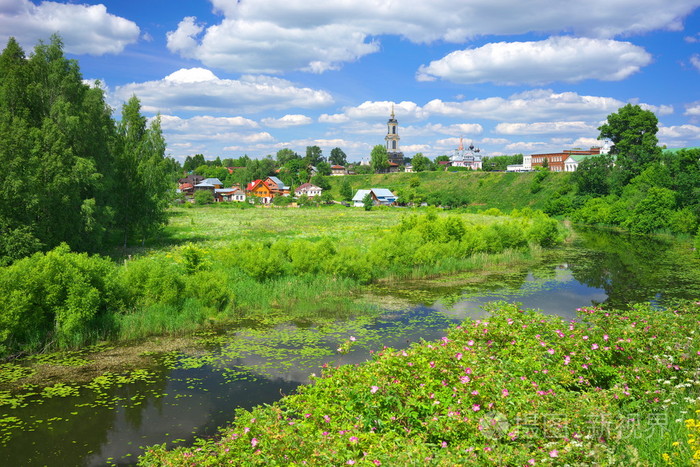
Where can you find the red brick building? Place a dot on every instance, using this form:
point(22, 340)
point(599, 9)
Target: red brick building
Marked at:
point(556, 160)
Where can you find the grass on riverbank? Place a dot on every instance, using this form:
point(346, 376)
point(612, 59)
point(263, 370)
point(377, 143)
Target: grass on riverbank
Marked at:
point(230, 264)
point(519, 388)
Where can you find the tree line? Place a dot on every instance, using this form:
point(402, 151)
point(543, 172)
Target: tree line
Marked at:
point(71, 173)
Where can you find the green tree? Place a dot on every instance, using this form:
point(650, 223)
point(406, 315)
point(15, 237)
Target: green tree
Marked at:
point(338, 157)
point(632, 131)
point(203, 197)
point(345, 190)
point(592, 177)
point(379, 160)
point(314, 155)
point(368, 201)
point(285, 155)
point(55, 135)
point(323, 168)
point(193, 162)
point(420, 163)
point(321, 181)
point(142, 172)
point(653, 212)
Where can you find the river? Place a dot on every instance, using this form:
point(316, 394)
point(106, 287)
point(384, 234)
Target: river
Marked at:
point(180, 394)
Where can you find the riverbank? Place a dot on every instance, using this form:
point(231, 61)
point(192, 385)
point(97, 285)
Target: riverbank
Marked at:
point(521, 388)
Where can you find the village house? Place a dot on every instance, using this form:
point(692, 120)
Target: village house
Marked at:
point(229, 194)
point(276, 186)
point(380, 197)
point(192, 179)
point(338, 170)
point(309, 190)
point(258, 189)
point(209, 184)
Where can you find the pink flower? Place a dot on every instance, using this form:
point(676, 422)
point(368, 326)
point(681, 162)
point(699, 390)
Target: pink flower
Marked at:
point(594, 346)
point(352, 339)
point(354, 439)
point(605, 337)
point(374, 389)
point(458, 356)
point(444, 444)
point(550, 351)
point(567, 359)
point(465, 379)
point(505, 392)
point(350, 462)
point(531, 462)
point(432, 364)
point(476, 407)
point(475, 392)
point(553, 453)
point(376, 462)
point(468, 371)
point(254, 442)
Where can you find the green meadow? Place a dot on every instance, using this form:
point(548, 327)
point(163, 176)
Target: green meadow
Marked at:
point(219, 264)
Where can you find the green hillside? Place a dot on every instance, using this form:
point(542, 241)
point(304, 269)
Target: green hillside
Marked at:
point(505, 191)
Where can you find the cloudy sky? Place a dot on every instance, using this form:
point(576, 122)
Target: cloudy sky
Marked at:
point(234, 77)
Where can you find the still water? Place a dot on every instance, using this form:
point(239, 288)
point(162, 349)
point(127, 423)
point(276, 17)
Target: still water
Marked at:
point(181, 394)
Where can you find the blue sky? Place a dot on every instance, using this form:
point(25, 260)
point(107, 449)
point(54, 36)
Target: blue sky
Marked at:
point(251, 77)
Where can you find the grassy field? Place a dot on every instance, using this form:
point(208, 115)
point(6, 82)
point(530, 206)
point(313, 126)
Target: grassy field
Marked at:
point(223, 263)
point(505, 191)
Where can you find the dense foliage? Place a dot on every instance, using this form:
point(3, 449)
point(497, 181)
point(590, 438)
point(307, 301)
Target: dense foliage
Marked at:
point(517, 388)
point(638, 186)
point(69, 173)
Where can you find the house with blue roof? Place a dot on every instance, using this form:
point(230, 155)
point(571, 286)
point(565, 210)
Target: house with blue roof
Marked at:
point(380, 197)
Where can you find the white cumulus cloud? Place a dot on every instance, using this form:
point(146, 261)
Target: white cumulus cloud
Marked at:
point(275, 36)
point(528, 106)
point(543, 128)
point(287, 121)
point(693, 109)
point(84, 29)
point(183, 91)
point(566, 59)
point(695, 61)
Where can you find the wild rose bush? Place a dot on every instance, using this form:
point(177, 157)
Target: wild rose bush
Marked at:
point(518, 388)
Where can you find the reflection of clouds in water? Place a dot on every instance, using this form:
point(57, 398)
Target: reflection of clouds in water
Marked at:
point(178, 420)
point(560, 295)
point(294, 369)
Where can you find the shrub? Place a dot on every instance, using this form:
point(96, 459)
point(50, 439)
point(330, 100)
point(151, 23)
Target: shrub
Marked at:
point(151, 280)
point(544, 231)
point(58, 298)
point(203, 197)
point(653, 212)
point(683, 221)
